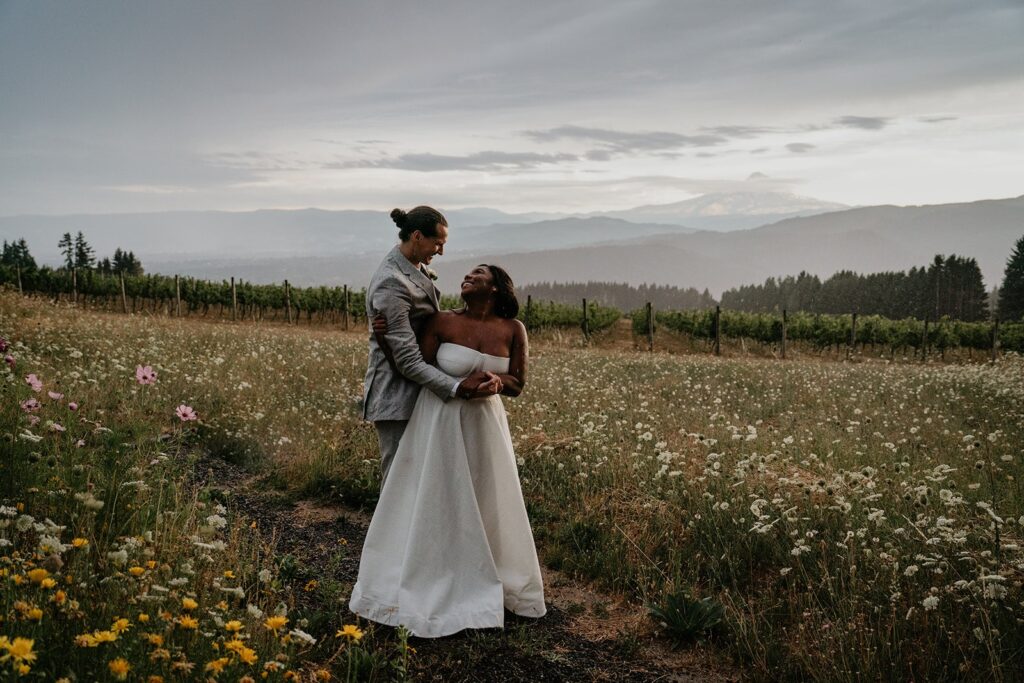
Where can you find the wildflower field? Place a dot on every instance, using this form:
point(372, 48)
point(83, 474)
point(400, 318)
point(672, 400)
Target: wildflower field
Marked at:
point(852, 520)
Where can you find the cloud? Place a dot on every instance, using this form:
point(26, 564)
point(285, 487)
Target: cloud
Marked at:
point(623, 142)
point(937, 119)
point(478, 161)
point(862, 122)
point(799, 147)
point(740, 132)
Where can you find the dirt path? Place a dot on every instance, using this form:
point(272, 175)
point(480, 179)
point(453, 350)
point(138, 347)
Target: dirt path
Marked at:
point(586, 635)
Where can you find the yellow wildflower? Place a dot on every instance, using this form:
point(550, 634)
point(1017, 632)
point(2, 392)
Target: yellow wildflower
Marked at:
point(234, 645)
point(350, 631)
point(233, 626)
point(155, 679)
point(60, 597)
point(248, 655)
point(186, 621)
point(322, 675)
point(217, 665)
point(20, 650)
point(121, 625)
point(228, 574)
point(136, 571)
point(143, 617)
point(154, 639)
point(79, 542)
point(23, 669)
point(222, 605)
point(37, 575)
point(47, 583)
point(119, 667)
point(275, 623)
point(290, 675)
point(151, 564)
point(104, 636)
point(35, 614)
point(189, 603)
point(311, 585)
point(86, 640)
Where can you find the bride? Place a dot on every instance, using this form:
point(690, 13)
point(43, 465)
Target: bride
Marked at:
point(450, 546)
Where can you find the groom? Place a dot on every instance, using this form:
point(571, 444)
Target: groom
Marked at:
point(402, 292)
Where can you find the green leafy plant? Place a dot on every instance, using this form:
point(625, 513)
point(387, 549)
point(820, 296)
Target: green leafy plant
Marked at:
point(686, 619)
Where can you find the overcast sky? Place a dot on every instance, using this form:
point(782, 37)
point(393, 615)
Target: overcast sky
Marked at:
point(522, 106)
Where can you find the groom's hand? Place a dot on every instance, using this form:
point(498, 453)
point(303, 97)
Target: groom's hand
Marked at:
point(479, 385)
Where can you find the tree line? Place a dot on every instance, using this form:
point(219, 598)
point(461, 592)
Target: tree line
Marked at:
point(619, 295)
point(950, 286)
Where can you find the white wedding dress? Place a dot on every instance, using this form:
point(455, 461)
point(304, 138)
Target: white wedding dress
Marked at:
point(450, 545)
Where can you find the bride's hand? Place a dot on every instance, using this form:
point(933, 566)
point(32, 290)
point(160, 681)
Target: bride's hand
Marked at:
point(380, 324)
point(493, 385)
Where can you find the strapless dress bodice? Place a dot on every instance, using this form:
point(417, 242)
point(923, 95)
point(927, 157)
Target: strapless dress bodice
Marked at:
point(459, 361)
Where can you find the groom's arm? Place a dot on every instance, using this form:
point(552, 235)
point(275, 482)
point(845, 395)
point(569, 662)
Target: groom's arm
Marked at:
point(392, 300)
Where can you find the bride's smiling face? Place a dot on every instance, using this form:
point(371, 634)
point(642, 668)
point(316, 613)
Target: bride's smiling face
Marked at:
point(478, 280)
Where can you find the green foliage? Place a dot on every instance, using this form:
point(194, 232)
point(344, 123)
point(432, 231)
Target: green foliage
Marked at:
point(950, 286)
point(540, 315)
point(686, 619)
point(1011, 293)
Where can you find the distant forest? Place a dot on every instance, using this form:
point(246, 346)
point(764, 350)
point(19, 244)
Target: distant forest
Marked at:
point(949, 286)
point(618, 295)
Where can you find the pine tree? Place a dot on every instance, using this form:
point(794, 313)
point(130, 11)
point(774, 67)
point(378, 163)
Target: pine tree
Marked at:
point(1011, 293)
point(67, 248)
point(85, 257)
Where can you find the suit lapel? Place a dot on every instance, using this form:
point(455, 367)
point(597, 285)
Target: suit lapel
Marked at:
point(416, 275)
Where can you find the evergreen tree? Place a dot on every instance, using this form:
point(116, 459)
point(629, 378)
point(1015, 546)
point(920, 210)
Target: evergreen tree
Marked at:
point(16, 254)
point(85, 257)
point(67, 248)
point(1011, 293)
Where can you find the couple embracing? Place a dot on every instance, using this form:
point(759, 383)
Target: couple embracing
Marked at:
point(450, 545)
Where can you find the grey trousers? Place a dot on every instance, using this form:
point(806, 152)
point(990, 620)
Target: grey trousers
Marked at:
point(389, 433)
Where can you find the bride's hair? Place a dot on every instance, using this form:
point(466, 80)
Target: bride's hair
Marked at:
point(422, 218)
point(506, 305)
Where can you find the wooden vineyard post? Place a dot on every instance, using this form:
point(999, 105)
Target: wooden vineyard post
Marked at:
point(234, 300)
point(74, 286)
point(586, 322)
point(124, 297)
point(529, 312)
point(287, 302)
point(718, 330)
point(20, 290)
point(995, 340)
point(924, 341)
point(650, 327)
point(177, 296)
point(348, 302)
point(853, 336)
point(783, 349)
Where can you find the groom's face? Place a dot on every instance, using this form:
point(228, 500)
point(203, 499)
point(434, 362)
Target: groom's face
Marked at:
point(428, 247)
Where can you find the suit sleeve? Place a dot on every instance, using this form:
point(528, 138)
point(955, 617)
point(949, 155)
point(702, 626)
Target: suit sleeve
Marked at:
point(392, 300)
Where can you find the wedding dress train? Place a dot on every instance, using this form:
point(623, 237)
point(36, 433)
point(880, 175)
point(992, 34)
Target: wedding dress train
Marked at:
point(450, 546)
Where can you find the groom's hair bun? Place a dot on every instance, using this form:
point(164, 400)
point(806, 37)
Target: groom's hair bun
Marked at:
point(422, 218)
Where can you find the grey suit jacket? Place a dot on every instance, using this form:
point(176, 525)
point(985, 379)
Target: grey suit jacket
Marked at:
point(407, 298)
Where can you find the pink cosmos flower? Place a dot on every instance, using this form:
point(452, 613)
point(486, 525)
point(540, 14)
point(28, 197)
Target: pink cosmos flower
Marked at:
point(145, 374)
point(30, 405)
point(56, 427)
point(185, 413)
point(33, 420)
point(3, 345)
point(34, 382)
point(9, 359)
point(72, 406)
point(54, 395)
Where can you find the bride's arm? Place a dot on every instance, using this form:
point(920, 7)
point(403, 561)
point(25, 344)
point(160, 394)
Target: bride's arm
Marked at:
point(519, 356)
